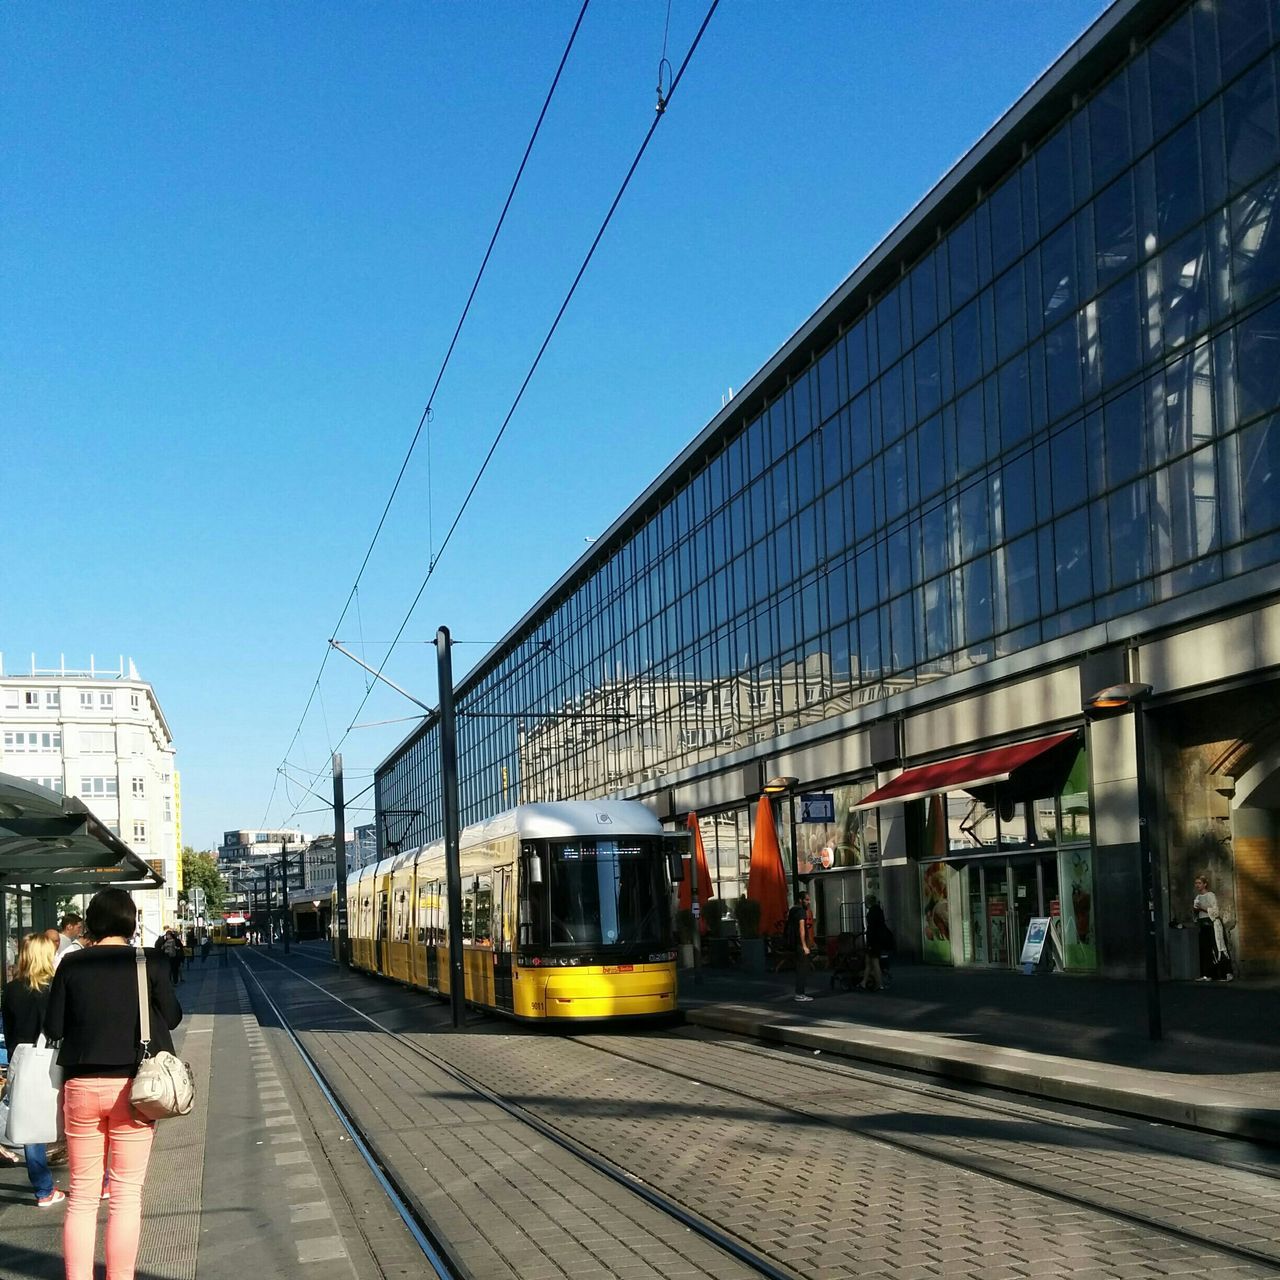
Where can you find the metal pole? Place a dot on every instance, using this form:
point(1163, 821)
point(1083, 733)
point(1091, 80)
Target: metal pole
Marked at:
point(795, 852)
point(449, 803)
point(284, 893)
point(340, 862)
point(1155, 1029)
point(267, 912)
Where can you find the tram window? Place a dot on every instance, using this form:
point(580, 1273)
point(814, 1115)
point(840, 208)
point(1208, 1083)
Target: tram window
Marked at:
point(442, 914)
point(422, 915)
point(608, 892)
point(532, 902)
point(483, 923)
point(468, 910)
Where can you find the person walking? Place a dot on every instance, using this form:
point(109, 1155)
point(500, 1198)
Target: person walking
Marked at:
point(169, 945)
point(26, 998)
point(879, 943)
point(1215, 960)
point(70, 927)
point(93, 1010)
point(800, 932)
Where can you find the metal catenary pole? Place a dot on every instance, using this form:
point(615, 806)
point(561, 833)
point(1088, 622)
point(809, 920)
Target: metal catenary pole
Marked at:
point(284, 893)
point(449, 799)
point(340, 862)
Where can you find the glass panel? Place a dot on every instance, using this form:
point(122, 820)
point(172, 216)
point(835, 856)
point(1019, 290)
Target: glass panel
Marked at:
point(1258, 363)
point(1125, 427)
point(1251, 125)
point(1109, 130)
point(1129, 534)
point(1260, 476)
point(1053, 179)
point(1062, 368)
point(1114, 230)
point(1015, 403)
point(1071, 558)
point(964, 264)
point(1011, 313)
point(1069, 475)
point(1172, 74)
point(1006, 224)
point(887, 328)
point(1058, 272)
point(1021, 578)
point(1018, 497)
point(924, 296)
point(1178, 201)
point(1255, 251)
point(1119, 323)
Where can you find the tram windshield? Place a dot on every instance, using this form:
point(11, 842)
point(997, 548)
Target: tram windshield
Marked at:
point(607, 893)
point(235, 928)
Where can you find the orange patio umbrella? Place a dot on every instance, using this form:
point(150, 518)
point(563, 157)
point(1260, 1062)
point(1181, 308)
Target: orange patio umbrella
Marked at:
point(704, 876)
point(767, 879)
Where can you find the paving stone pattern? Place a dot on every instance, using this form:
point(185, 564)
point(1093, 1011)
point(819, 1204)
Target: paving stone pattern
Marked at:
point(809, 1182)
point(821, 1200)
point(1175, 1187)
point(509, 1203)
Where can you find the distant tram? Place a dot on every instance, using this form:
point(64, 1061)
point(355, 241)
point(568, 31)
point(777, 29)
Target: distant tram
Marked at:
point(567, 913)
point(231, 931)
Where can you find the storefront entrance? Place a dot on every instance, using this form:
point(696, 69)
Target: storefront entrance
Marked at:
point(1001, 897)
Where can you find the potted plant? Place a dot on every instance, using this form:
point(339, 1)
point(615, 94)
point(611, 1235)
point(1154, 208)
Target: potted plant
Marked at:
point(686, 924)
point(747, 913)
point(714, 913)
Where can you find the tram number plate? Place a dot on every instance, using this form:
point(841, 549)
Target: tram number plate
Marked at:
point(619, 968)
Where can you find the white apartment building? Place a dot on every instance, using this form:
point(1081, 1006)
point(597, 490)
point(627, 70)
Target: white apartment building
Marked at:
point(100, 734)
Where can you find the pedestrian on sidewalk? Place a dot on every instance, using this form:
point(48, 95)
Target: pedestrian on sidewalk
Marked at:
point(879, 942)
point(93, 1010)
point(26, 997)
point(800, 935)
point(1215, 960)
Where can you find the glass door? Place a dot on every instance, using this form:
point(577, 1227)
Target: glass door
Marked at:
point(996, 891)
point(1024, 900)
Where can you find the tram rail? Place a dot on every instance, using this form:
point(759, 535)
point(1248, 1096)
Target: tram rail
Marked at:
point(1101, 1201)
point(435, 1247)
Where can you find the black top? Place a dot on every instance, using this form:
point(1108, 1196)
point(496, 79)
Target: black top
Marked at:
point(879, 937)
point(93, 1010)
point(23, 1013)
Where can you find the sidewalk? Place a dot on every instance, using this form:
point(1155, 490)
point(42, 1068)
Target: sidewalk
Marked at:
point(1074, 1039)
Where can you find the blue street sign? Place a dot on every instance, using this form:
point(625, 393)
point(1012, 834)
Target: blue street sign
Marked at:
point(818, 808)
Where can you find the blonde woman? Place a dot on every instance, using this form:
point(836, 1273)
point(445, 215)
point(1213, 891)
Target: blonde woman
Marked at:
point(26, 997)
point(1215, 961)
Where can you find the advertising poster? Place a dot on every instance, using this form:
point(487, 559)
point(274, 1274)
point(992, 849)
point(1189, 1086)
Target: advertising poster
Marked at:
point(935, 913)
point(1075, 871)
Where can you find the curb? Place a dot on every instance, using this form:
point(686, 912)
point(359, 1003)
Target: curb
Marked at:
point(1206, 1110)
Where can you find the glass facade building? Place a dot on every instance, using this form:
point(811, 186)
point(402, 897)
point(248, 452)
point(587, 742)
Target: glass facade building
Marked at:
point(1041, 420)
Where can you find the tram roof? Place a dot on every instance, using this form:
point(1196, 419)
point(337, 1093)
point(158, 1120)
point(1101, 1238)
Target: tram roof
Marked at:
point(52, 840)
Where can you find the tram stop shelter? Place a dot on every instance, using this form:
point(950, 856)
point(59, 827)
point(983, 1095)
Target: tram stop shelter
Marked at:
point(52, 846)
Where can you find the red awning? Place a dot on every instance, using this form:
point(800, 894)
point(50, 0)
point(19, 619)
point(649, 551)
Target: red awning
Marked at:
point(978, 770)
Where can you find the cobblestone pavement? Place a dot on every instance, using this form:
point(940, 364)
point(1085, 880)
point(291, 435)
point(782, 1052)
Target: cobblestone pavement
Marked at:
point(842, 1175)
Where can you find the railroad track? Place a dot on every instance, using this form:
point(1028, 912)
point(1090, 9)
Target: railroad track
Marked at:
point(1105, 1199)
point(437, 1249)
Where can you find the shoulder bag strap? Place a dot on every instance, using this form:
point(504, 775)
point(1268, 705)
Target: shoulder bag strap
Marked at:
point(144, 1004)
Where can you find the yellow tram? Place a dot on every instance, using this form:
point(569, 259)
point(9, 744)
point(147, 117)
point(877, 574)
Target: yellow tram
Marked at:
point(231, 931)
point(566, 913)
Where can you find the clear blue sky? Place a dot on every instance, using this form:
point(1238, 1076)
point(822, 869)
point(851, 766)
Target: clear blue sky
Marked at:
point(234, 242)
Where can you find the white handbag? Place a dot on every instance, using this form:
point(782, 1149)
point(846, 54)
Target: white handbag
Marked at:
point(164, 1085)
point(34, 1095)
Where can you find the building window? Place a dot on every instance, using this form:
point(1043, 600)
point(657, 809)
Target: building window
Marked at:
point(50, 784)
point(20, 742)
point(106, 701)
point(139, 788)
point(134, 702)
point(168, 809)
point(31, 699)
point(98, 788)
point(86, 700)
point(98, 742)
point(11, 700)
point(140, 832)
point(52, 700)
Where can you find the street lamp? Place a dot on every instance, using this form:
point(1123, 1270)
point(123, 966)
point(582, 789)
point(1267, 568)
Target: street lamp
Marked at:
point(787, 787)
point(1119, 699)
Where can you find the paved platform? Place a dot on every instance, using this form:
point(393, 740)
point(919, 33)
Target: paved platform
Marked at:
point(247, 1185)
point(1078, 1040)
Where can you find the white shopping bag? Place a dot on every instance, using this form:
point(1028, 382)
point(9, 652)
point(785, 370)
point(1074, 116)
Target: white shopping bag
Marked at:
point(34, 1095)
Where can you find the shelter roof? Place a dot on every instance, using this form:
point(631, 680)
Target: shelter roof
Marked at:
point(47, 839)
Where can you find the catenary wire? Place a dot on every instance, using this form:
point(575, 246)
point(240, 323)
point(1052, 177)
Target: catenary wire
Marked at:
point(435, 560)
point(426, 412)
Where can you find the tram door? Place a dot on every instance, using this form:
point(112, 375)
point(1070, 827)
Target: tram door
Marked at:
point(381, 945)
point(503, 906)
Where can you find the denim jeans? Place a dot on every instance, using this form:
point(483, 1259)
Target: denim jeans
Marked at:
point(38, 1169)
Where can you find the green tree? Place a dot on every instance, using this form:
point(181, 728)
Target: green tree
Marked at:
point(202, 869)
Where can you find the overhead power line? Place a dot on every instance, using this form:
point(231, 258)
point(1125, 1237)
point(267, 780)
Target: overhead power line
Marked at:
point(426, 412)
point(435, 560)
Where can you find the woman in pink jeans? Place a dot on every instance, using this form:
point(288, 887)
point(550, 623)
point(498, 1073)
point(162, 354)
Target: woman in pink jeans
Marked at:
point(93, 1010)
